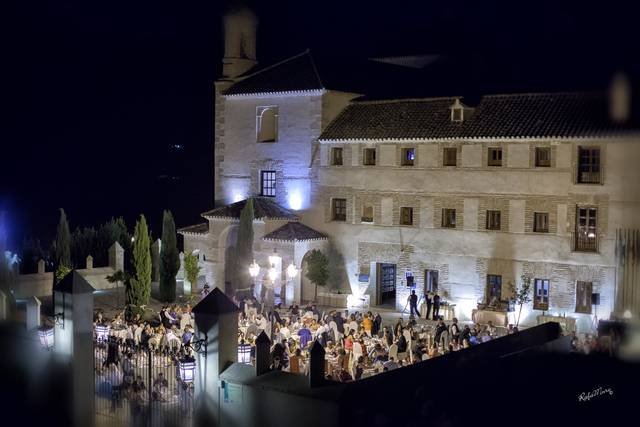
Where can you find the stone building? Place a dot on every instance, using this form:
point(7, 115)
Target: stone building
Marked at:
point(431, 194)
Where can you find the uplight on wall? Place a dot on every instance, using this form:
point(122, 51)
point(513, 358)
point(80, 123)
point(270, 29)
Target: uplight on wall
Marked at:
point(295, 201)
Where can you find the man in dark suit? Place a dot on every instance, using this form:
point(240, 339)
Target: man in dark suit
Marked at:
point(436, 306)
point(413, 303)
point(429, 302)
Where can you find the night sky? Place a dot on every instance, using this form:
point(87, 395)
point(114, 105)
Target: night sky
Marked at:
point(97, 93)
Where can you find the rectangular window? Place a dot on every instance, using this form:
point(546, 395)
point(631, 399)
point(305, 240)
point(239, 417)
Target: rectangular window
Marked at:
point(541, 294)
point(408, 156)
point(367, 213)
point(406, 216)
point(494, 288)
point(268, 183)
point(493, 220)
point(494, 156)
point(336, 156)
point(449, 218)
point(588, 165)
point(450, 156)
point(583, 297)
point(543, 157)
point(339, 209)
point(586, 229)
point(369, 156)
point(540, 222)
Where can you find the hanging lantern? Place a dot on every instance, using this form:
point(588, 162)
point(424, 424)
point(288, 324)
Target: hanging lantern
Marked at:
point(46, 338)
point(254, 269)
point(102, 332)
point(187, 370)
point(244, 353)
point(292, 271)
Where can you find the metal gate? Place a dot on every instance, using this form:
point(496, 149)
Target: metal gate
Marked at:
point(140, 386)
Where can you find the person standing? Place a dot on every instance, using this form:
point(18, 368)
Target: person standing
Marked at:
point(436, 306)
point(455, 331)
point(413, 303)
point(429, 300)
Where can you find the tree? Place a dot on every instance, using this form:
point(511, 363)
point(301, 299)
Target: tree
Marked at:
point(522, 294)
point(119, 277)
point(83, 244)
point(63, 242)
point(317, 269)
point(192, 271)
point(169, 259)
point(244, 246)
point(139, 288)
point(114, 230)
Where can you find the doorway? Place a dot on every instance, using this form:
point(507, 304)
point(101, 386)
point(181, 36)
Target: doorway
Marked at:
point(494, 287)
point(386, 285)
point(430, 281)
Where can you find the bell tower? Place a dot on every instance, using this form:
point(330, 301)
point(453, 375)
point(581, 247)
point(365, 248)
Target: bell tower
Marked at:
point(240, 25)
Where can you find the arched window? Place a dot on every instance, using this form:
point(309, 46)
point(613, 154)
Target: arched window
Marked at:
point(267, 124)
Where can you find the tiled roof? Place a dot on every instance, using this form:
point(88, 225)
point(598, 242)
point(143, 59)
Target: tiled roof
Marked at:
point(297, 73)
point(496, 116)
point(263, 207)
point(202, 228)
point(293, 231)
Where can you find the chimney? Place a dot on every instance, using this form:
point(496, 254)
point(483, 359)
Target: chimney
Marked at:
point(316, 365)
point(619, 98)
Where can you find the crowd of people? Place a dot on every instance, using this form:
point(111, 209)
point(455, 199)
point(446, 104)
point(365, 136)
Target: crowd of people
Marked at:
point(356, 344)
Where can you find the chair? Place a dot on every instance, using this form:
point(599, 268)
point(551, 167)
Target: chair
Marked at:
point(357, 350)
point(137, 335)
point(393, 352)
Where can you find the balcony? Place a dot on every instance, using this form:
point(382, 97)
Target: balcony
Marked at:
point(586, 242)
point(589, 177)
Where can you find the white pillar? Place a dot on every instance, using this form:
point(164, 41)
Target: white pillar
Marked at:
point(41, 266)
point(33, 313)
point(89, 262)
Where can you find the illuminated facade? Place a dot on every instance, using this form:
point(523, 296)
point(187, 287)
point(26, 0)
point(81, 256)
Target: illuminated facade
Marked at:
point(428, 194)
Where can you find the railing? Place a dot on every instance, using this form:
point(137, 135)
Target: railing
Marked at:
point(589, 177)
point(584, 243)
point(140, 385)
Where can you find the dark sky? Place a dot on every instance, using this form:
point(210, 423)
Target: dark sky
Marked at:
point(96, 93)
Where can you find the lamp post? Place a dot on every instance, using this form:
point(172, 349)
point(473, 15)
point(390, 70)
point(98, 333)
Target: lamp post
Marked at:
point(275, 261)
point(292, 272)
point(254, 270)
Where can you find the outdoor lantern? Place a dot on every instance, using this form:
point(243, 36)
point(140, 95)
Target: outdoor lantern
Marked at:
point(254, 269)
point(102, 332)
point(292, 271)
point(244, 353)
point(187, 370)
point(46, 338)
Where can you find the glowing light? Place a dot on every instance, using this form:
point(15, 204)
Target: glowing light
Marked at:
point(273, 274)
point(46, 338)
point(187, 370)
point(244, 353)
point(102, 332)
point(295, 201)
point(292, 271)
point(237, 197)
point(275, 258)
point(254, 269)
point(627, 314)
point(591, 235)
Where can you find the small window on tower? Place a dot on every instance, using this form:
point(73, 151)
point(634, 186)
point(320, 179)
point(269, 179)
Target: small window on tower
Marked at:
point(336, 156)
point(408, 156)
point(267, 124)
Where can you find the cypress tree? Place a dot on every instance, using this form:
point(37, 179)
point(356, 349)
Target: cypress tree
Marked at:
point(139, 288)
point(244, 246)
point(169, 259)
point(63, 242)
